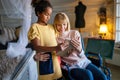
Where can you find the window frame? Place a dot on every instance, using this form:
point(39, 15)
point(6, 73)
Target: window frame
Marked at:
point(117, 20)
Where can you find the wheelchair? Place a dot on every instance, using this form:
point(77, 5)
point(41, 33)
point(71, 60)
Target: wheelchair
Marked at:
point(96, 59)
point(96, 55)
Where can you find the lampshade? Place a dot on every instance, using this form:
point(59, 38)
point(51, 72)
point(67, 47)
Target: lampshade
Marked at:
point(103, 29)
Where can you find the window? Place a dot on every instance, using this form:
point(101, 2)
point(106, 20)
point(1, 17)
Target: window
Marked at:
point(117, 20)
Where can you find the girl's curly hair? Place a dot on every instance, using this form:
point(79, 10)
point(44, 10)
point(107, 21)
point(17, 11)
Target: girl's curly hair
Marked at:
point(40, 5)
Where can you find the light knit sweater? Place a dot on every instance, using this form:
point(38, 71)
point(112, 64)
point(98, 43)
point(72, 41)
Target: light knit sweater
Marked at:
point(75, 59)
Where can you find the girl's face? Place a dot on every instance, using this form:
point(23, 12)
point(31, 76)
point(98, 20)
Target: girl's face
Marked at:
point(61, 27)
point(45, 16)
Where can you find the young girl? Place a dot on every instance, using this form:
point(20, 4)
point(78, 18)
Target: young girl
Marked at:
point(43, 39)
point(80, 67)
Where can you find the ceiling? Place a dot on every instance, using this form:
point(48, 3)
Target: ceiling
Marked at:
point(68, 2)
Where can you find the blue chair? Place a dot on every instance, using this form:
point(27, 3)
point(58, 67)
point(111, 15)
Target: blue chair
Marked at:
point(104, 47)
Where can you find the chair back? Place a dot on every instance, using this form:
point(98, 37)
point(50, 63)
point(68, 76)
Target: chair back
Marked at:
point(104, 47)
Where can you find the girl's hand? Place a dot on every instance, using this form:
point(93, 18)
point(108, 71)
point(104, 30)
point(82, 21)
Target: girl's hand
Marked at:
point(76, 43)
point(41, 57)
point(62, 46)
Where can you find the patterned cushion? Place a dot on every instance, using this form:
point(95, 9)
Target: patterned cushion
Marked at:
point(7, 65)
point(7, 34)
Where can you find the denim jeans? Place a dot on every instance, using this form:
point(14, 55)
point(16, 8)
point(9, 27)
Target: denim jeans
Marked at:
point(90, 73)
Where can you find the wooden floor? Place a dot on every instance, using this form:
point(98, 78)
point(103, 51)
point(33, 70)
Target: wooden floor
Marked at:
point(115, 70)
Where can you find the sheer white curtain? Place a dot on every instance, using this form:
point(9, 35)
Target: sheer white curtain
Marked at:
point(21, 9)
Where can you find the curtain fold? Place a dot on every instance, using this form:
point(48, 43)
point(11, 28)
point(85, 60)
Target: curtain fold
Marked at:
point(20, 9)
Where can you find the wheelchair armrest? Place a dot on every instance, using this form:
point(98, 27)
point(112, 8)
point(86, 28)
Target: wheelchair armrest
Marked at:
point(95, 58)
point(107, 72)
point(67, 67)
point(66, 73)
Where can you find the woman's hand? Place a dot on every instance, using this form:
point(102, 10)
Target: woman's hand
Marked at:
point(41, 57)
point(76, 43)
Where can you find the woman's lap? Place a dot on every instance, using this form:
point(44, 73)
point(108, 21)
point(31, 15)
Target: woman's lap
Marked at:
point(90, 73)
point(97, 73)
point(81, 74)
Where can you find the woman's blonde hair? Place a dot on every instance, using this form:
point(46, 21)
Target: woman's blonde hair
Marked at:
point(61, 18)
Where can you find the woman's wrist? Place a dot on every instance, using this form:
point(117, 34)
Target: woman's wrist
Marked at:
point(79, 49)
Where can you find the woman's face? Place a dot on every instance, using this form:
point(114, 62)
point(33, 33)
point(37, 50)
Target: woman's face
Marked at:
point(61, 27)
point(45, 16)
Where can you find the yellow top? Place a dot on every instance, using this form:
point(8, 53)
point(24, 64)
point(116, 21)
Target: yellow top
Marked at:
point(46, 35)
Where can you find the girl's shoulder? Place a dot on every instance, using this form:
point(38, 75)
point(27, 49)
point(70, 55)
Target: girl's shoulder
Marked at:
point(50, 25)
point(38, 25)
point(34, 25)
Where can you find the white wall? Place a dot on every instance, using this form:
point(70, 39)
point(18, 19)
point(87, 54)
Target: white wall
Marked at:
point(91, 14)
point(116, 57)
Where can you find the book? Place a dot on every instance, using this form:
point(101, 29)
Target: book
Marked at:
point(65, 52)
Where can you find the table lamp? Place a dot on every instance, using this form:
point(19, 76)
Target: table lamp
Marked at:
point(103, 30)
